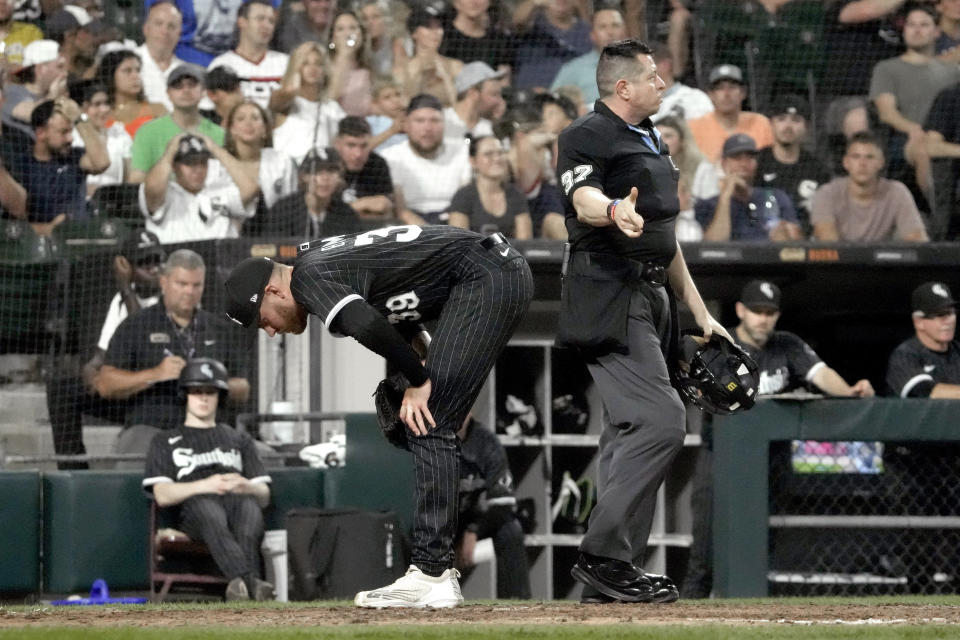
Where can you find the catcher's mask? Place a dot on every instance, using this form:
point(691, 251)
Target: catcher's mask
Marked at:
point(204, 372)
point(716, 375)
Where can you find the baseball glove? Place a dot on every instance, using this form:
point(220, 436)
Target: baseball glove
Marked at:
point(387, 397)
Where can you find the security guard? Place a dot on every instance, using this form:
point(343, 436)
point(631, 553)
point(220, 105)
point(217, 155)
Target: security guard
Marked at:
point(623, 269)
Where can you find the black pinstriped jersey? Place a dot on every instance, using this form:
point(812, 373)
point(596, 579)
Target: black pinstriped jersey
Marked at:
point(914, 370)
point(187, 454)
point(785, 363)
point(404, 272)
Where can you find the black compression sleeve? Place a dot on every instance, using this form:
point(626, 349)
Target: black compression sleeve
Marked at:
point(362, 322)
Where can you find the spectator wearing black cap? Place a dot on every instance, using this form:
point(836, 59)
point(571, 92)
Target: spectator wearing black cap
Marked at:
point(479, 100)
point(427, 169)
point(53, 172)
point(927, 365)
point(368, 188)
point(136, 270)
point(427, 71)
point(189, 207)
point(317, 210)
point(742, 211)
point(43, 76)
point(185, 86)
point(727, 92)
point(862, 206)
point(15, 35)
point(223, 90)
point(78, 35)
point(785, 164)
point(161, 32)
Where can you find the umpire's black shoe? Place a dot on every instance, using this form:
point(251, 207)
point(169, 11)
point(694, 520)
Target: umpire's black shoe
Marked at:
point(613, 578)
point(664, 590)
point(592, 596)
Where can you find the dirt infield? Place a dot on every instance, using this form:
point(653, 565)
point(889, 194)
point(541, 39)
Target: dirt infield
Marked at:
point(507, 614)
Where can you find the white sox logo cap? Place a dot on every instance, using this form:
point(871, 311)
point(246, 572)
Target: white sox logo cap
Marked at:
point(245, 290)
point(761, 294)
point(932, 298)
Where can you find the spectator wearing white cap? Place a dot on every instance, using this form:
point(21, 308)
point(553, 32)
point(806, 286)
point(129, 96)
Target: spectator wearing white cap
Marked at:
point(260, 69)
point(426, 169)
point(15, 35)
point(161, 32)
point(479, 100)
point(43, 77)
point(190, 207)
point(727, 92)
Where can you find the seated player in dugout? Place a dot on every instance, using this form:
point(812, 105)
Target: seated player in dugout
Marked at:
point(213, 477)
point(488, 509)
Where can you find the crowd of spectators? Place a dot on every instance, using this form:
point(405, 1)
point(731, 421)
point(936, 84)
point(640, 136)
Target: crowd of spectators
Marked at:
point(262, 86)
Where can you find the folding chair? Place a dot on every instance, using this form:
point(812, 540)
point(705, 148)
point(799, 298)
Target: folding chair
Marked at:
point(176, 559)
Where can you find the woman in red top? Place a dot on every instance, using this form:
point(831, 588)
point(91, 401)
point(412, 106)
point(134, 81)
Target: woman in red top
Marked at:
point(120, 74)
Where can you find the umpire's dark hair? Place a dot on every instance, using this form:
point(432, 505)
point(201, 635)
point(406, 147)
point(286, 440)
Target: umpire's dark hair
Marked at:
point(42, 113)
point(864, 137)
point(618, 60)
point(354, 126)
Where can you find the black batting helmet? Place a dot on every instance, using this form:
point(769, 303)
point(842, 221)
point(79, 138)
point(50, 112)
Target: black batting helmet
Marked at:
point(204, 372)
point(717, 375)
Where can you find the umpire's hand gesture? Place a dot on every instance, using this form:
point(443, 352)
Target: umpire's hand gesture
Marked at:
point(625, 215)
point(414, 411)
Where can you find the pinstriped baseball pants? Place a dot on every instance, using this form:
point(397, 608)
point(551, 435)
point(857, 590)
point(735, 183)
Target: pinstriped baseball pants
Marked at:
point(491, 294)
point(231, 526)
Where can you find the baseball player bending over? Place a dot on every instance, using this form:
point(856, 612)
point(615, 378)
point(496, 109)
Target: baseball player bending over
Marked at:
point(213, 474)
point(377, 287)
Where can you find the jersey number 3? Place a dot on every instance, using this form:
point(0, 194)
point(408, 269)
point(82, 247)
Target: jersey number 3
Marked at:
point(573, 176)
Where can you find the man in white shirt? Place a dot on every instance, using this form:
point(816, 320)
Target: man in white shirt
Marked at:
point(426, 169)
point(260, 68)
point(479, 100)
point(161, 32)
point(201, 202)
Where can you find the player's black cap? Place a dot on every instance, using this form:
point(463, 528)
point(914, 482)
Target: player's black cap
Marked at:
point(789, 104)
point(245, 287)
point(739, 143)
point(760, 295)
point(932, 298)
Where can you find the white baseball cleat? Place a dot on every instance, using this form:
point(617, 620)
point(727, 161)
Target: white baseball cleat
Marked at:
point(415, 590)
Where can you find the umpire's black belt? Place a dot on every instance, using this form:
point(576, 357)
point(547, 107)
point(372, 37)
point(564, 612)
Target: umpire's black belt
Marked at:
point(650, 272)
point(493, 240)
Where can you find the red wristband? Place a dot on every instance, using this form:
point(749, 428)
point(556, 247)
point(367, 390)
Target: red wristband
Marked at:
point(611, 206)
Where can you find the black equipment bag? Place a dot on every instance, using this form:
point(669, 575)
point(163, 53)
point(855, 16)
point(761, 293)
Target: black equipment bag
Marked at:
point(334, 553)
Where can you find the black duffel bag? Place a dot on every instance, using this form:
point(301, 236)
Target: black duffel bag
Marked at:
point(334, 553)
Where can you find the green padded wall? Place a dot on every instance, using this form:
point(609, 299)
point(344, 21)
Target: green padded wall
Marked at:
point(20, 533)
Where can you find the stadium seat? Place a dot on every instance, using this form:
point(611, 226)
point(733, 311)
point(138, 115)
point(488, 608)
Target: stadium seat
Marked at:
point(76, 237)
point(28, 269)
point(176, 559)
point(117, 201)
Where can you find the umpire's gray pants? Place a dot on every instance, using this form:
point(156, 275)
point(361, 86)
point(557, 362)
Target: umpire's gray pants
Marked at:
point(643, 431)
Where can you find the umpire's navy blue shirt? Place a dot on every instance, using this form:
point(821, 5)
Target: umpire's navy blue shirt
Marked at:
point(601, 150)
